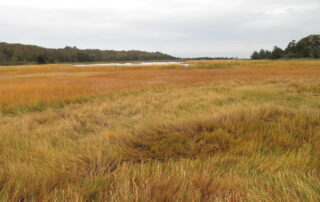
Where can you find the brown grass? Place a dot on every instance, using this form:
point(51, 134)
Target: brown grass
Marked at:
point(218, 131)
point(29, 88)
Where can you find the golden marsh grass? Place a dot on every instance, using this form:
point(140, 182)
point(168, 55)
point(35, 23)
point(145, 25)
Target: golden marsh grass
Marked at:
point(28, 88)
point(213, 131)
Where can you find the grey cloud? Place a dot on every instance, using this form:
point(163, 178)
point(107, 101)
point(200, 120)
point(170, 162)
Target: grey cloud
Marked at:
point(181, 28)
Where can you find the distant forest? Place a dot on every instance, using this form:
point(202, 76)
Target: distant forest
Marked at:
point(22, 54)
point(308, 47)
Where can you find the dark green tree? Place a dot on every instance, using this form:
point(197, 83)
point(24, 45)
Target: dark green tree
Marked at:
point(262, 54)
point(255, 55)
point(277, 53)
point(18, 53)
point(268, 54)
point(308, 47)
point(316, 53)
point(41, 59)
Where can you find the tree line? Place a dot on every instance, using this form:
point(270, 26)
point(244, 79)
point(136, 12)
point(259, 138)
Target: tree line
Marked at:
point(308, 47)
point(22, 54)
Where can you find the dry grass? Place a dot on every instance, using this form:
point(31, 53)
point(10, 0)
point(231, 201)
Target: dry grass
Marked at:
point(34, 88)
point(222, 130)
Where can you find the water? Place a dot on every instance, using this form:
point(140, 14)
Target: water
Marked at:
point(134, 64)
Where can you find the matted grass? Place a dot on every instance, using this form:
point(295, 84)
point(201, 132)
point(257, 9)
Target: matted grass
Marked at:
point(249, 131)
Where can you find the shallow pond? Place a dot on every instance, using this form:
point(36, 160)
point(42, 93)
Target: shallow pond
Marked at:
point(134, 64)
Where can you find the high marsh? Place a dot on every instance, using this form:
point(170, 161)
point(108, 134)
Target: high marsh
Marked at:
point(227, 130)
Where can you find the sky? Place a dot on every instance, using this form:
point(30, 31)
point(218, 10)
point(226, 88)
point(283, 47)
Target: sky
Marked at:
point(182, 28)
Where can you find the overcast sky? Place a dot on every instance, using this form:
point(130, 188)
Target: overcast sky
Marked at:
point(184, 28)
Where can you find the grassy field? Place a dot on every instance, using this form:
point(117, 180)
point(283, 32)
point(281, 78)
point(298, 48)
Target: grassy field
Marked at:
point(216, 130)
